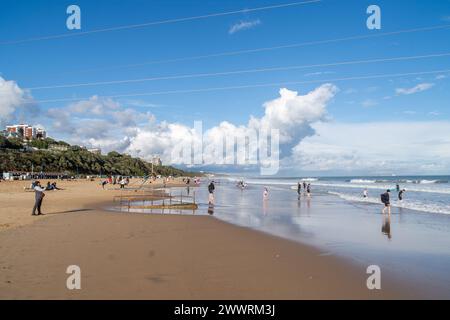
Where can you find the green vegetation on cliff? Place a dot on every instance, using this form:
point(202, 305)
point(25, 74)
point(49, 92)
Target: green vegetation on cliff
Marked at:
point(75, 160)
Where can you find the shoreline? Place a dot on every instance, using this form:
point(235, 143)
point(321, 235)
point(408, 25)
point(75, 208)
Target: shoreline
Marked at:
point(141, 256)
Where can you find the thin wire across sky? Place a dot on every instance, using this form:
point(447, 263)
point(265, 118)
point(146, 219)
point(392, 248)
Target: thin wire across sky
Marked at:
point(261, 85)
point(234, 53)
point(237, 72)
point(160, 22)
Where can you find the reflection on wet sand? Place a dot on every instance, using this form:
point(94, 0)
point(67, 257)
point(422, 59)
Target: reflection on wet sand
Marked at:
point(211, 209)
point(264, 207)
point(386, 226)
point(324, 219)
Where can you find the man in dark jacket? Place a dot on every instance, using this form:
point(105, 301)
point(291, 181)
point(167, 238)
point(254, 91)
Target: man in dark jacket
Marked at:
point(211, 187)
point(211, 193)
point(385, 198)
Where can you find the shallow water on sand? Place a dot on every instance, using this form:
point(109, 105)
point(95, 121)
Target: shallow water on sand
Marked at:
point(412, 245)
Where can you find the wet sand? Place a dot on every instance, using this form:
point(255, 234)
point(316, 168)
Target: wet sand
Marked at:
point(141, 256)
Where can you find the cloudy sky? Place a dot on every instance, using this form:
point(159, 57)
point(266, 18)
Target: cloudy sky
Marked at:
point(345, 99)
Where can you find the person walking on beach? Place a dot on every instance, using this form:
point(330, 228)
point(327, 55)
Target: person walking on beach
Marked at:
point(211, 189)
point(400, 194)
point(308, 190)
point(365, 193)
point(299, 188)
point(385, 199)
point(38, 197)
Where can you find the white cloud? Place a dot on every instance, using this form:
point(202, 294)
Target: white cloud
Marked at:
point(98, 122)
point(418, 88)
point(141, 104)
point(369, 103)
point(103, 123)
point(292, 114)
point(12, 99)
point(244, 25)
point(319, 73)
point(95, 105)
point(376, 148)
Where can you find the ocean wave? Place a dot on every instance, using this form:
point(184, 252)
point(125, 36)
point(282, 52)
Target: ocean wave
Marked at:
point(423, 181)
point(430, 181)
point(362, 181)
point(280, 182)
point(384, 187)
point(409, 204)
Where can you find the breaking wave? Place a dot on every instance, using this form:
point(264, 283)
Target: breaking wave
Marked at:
point(406, 204)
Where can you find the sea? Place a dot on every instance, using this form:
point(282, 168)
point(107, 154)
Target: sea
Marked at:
point(423, 193)
point(411, 245)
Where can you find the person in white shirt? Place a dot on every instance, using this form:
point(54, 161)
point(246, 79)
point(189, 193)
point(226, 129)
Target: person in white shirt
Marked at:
point(38, 197)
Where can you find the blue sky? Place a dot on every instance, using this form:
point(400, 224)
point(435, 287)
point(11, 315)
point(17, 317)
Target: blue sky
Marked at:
point(107, 56)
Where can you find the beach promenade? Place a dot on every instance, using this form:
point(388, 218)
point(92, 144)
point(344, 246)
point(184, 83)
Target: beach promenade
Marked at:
point(142, 256)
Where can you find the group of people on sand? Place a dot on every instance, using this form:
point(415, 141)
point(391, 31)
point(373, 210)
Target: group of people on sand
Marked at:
point(122, 181)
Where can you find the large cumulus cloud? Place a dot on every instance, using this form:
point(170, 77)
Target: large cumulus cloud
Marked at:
point(290, 113)
point(107, 124)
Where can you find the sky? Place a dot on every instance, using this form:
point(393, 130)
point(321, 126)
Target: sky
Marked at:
point(346, 100)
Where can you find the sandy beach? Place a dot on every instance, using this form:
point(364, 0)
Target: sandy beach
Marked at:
point(142, 256)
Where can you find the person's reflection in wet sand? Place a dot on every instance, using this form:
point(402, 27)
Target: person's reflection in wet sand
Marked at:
point(308, 205)
point(401, 215)
point(211, 209)
point(264, 207)
point(386, 226)
point(299, 206)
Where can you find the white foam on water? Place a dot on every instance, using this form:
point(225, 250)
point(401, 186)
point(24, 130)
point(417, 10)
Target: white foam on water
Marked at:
point(428, 181)
point(428, 186)
point(408, 188)
point(406, 204)
point(362, 181)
